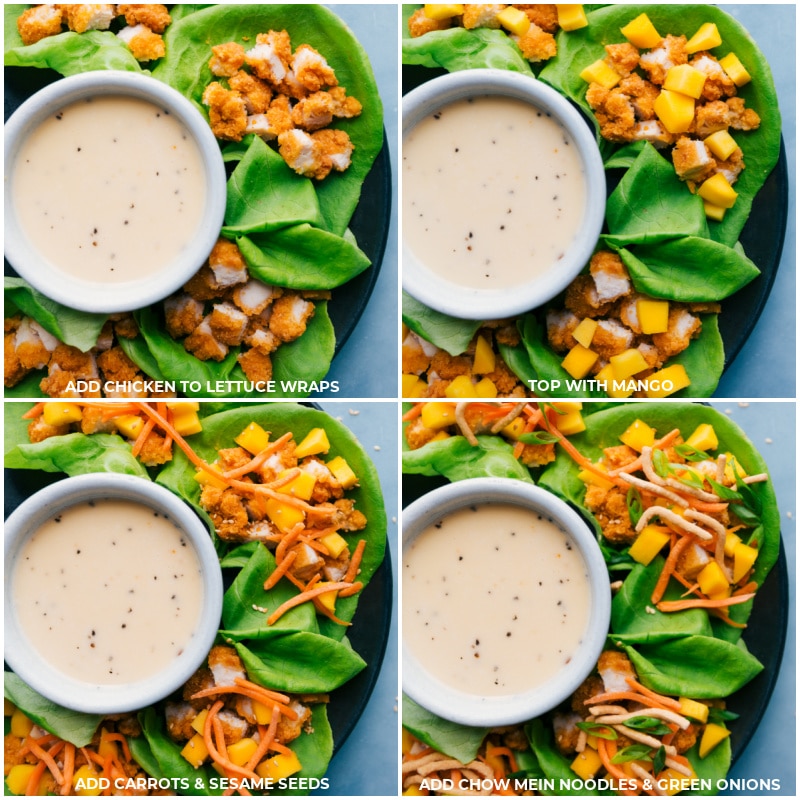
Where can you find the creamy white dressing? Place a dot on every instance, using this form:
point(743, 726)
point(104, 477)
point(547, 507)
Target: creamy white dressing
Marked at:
point(108, 591)
point(493, 192)
point(109, 189)
point(496, 599)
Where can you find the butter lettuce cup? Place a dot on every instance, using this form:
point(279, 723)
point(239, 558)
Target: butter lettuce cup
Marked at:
point(114, 192)
point(503, 193)
point(506, 601)
point(113, 592)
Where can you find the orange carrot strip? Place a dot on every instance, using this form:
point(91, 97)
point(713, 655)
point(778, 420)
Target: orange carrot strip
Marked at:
point(259, 458)
point(607, 750)
point(145, 432)
point(679, 605)
point(748, 588)
point(290, 500)
point(270, 693)
point(69, 767)
point(304, 597)
point(670, 563)
point(33, 412)
point(48, 759)
point(667, 702)
point(326, 612)
point(280, 570)
point(210, 728)
point(354, 588)
point(288, 540)
point(118, 737)
point(247, 692)
point(637, 697)
point(412, 412)
point(32, 787)
point(355, 561)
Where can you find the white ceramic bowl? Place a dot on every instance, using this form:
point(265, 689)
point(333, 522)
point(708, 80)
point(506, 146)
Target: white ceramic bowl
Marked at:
point(465, 302)
point(473, 709)
point(90, 697)
point(99, 297)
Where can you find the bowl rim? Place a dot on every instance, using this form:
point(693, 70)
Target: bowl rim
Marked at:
point(85, 696)
point(477, 710)
point(463, 302)
point(104, 298)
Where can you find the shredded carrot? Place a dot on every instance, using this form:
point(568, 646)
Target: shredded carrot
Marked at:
point(412, 412)
point(269, 693)
point(32, 788)
point(145, 432)
point(259, 458)
point(667, 702)
point(69, 766)
point(35, 411)
point(354, 588)
point(118, 737)
point(326, 612)
point(680, 605)
point(670, 563)
point(280, 570)
point(746, 589)
point(355, 561)
point(44, 755)
point(209, 735)
point(288, 540)
point(607, 750)
point(637, 697)
point(304, 597)
point(247, 692)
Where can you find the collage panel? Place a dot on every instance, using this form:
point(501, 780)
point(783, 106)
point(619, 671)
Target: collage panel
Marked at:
point(271, 675)
point(515, 284)
point(249, 273)
point(668, 523)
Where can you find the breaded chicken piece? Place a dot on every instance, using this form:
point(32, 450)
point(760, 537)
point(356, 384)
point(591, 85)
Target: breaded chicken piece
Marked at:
point(311, 70)
point(536, 45)
point(611, 279)
point(717, 84)
point(711, 117)
point(115, 366)
point(447, 367)
point(232, 458)
point(227, 264)
point(642, 95)
point(182, 314)
point(681, 329)
point(289, 729)
point(256, 364)
point(271, 57)
point(610, 508)
point(592, 686)
point(650, 354)
point(34, 345)
point(658, 61)
point(581, 298)
point(320, 108)
point(537, 455)
point(566, 731)
point(619, 456)
point(234, 728)
point(154, 15)
point(692, 160)
point(39, 430)
point(227, 112)
point(481, 15)
point(615, 669)
point(179, 718)
point(545, 15)
point(693, 559)
point(143, 43)
point(202, 344)
point(94, 421)
point(629, 312)
point(652, 131)
point(347, 518)
point(203, 286)
point(13, 371)
point(732, 167)
point(560, 326)
point(225, 666)
point(334, 147)
point(623, 58)
point(611, 338)
point(741, 118)
point(227, 59)
point(39, 22)
point(420, 23)
point(254, 296)
point(290, 315)
point(228, 324)
point(263, 340)
point(255, 92)
point(417, 354)
point(616, 117)
point(125, 326)
point(227, 511)
point(154, 451)
point(279, 116)
point(81, 17)
point(418, 435)
point(298, 150)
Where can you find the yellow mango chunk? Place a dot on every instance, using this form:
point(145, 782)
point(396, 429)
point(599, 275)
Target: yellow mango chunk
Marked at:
point(334, 543)
point(315, 442)
point(706, 38)
point(675, 782)
point(586, 764)
point(438, 415)
point(18, 778)
point(649, 543)
point(514, 429)
point(641, 33)
point(638, 435)
point(606, 375)
point(693, 709)
point(585, 331)
point(485, 359)
point(565, 406)
point(342, 472)
point(718, 191)
point(717, 213)
point(734, 69)
point(301, 487)
point(571, 16)
point(129, 425)
point(407, 741)
point(627, 363)
point(729, 463)
point(413, 386)
point(328, 599)
point(283, 515)
point(711, 579)
point(415, 791)
point(79, 778)
point(195, 751)
point(107, 747)
point(21, 725)
point(280, 766)
point(461, 386)
point(205, 478)
point(579, 361)
point(721, 144)
point(241, 751)
point(588, 476)
point(441, 11)
point(262, 713)
point(198, 723)
point(703, 438)
point(570, 423)
point(744, 557)
point(601, 73)
point(62, 413)
point(485, 388)
point(676, 111)
point(441, 436)
point(653, 315)
point(187, 424)
point(183, 406)
point(514, 20)
point(667, 381)
point(685, 79)
point(731, 540)
point(712, 736)
point(253, 438)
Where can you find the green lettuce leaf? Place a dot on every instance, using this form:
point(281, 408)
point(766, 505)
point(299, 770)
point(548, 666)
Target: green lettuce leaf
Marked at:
point(551, 762)
point(447, 333)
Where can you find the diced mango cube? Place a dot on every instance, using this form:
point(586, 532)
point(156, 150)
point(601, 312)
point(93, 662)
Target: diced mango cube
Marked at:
point(717, 213)
point(409, 384)
point(183, 406)
point(571, 16)
point(107, 748)
point(334, 543)
point(667, 381)
point(187, 424)
point(253, 438)
point(342, 472)
point(440, 11)
point(440, 436)
point(21, 724)
point(675, 782)
point(676, 111)
point(62, 413)
point(602, 73)
point(315, 442)
point(129, 425)
point(18, 778)
point(198, 723)
point(606, 376)
point(653, 315)
point(461, 386)
point(703, 438)
point(485, 388)
point(586, 764)
point(641, 33)
point(734, 69)
point(328, 599)
point(706, 38)
point(627, 363)
point(240, 752)
point(691, 708)
point(301, 486)
point(685, 79)
point(485, 359)
point(649, 543)
point(415, 791)
point(711, 579)
point(195, 751)
point(744, 557)
point(730, 461)
point(721, 144)
point(590, 476)
point(438, 415)
point(718, 191)
point(638, 435)
point(731, 540)
point(262, 713)
point(80, 778)
point(283, 515)
point(570, 423)
point(281, 766)
point(579, 361)
point(514, 429)
point(712, 736)
point(205, 478)
point(514, 20)
point(584, 333)
point(565, 406)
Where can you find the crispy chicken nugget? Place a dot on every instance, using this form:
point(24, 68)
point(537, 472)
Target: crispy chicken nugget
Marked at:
point(420, 23)
point(227, 112)
point(38, 23)
point(227, 59)
point(154, 15)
